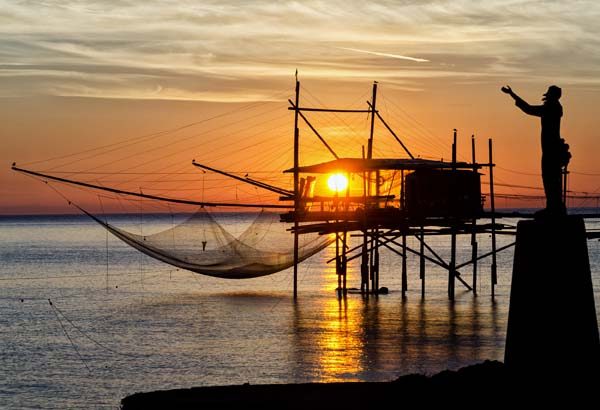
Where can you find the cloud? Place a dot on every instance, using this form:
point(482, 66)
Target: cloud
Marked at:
point(230, 49)
point(399, 57)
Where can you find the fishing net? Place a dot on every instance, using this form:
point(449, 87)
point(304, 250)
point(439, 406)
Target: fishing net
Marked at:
point(200, 244)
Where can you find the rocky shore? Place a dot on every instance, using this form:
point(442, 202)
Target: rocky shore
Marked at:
point(485, 379)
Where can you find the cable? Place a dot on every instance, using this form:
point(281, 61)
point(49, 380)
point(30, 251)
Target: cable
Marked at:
point(88, 336)
point(588, 174)
point(244, 108)
point(519, 172)
point(69, 337)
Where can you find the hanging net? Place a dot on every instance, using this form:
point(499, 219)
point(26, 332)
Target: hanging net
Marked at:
point(200, 244)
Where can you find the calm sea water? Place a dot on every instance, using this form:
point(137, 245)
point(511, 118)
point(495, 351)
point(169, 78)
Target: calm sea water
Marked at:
point(122, 323)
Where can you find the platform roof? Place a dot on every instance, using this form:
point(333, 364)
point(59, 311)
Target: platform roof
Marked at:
point(364, 165)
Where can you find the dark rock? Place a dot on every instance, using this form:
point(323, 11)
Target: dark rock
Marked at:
point(483, 379)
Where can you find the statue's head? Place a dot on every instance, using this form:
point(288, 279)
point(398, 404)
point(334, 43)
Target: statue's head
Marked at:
point(553, 94)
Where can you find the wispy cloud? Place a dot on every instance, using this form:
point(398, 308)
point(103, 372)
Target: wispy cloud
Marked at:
point(375, 53)
point(230, 49)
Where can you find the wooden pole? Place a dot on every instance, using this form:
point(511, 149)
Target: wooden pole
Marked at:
point(474, 245)
point(372, 265)
point(402, 191)
point(376, 236)
point(376, 267)
point(338, 260)
point(338, 265)
point(296, 186)
point(364, 264)
point(493, 209)
point(374, 246)
point(345, 239)
point(564, 192)
point(372, 111)
point(451, 268)
point(422, 261)
point(474, 249)
point(404, 275)
point(344, 264)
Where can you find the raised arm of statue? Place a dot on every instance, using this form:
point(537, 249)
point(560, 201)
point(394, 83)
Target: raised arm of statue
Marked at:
point(536, 110)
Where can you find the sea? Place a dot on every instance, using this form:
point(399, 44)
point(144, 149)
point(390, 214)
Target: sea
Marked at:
point(85, 320)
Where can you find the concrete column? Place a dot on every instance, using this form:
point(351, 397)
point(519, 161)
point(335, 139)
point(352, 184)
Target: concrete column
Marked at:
point(552, 325)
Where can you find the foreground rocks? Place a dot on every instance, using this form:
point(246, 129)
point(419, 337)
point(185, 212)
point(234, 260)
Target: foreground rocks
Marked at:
point(489, 381)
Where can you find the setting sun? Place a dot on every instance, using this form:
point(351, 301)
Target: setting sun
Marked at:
point(337, 182)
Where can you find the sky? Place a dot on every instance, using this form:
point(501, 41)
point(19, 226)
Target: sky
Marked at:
point(80, 74)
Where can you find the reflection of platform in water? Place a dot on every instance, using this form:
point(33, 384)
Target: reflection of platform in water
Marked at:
point(398, 197)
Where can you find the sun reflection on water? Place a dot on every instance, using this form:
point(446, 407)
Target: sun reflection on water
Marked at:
point(339, 342)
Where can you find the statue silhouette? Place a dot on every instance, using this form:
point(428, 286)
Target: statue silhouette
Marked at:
point(550, 113)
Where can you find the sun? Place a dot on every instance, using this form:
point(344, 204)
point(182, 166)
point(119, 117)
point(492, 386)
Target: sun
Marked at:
point(337, 182)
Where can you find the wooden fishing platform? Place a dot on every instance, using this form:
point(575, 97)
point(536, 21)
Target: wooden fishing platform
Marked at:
point(434, 198)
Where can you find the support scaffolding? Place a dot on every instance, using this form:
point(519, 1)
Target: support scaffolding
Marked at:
point(435, 198)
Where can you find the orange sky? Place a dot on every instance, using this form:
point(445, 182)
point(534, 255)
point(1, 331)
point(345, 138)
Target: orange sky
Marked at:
point(74, 77)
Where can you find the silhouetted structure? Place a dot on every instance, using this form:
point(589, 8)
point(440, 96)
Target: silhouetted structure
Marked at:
point(419, 198)
point(399, 198)
point(553, 156)
point(435, 198)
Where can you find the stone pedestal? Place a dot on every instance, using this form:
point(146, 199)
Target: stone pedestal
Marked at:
point(552, 325)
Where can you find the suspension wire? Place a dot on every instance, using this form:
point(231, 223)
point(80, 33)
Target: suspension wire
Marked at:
point(138, 165)
point(158, 148)
point(106, 222)
point(87, 336)
point(431, 139)
point(172, 130)
point(532, 174)
point(69, 337)
point(66, 276)
point(263, 141)
point(141, 254)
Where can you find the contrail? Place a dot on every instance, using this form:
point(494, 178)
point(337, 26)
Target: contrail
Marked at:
point(418, 60)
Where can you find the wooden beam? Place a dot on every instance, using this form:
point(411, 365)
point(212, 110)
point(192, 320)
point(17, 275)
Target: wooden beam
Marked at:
point(485, 255)
point(272, 188)
point(142, 195)
point(445, 266)
point(316, 132)
point(328, 110)
point(392, 132)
